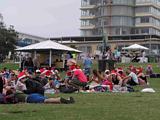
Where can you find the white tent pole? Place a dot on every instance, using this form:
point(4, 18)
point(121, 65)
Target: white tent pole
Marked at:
point(50, 58)
point(64, 59)
point(35, 54)
point(20, 61)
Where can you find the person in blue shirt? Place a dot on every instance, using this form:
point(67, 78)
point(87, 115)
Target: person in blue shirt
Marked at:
point(87, 63)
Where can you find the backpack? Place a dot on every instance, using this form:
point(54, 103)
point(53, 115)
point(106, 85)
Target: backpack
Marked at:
point(67, 89)
point(34, 87)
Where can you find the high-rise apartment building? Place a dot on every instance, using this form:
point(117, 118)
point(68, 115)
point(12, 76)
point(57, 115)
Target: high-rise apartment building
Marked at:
point(122, 19)
point(147, 17)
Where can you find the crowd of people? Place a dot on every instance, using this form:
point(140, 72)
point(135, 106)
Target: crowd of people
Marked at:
point(31, 86)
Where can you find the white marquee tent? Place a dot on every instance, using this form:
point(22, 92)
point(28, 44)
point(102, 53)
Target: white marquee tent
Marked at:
point(135, 47)
point(47, 46)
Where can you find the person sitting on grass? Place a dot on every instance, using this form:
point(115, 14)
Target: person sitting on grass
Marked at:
point(141, 76)
point(96, 79)
point(78, 78)
point(131, 79)
point(116, 78)
point(99, 83)
point(29, 85)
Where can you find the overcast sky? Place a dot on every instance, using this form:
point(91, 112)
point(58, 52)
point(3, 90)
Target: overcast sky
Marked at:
point(46, 18)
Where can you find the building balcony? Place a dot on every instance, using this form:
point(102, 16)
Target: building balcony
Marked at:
point(147, 25)
point(147, 14)
point(87, 17)
point(88, 27)
point(88, 7)
point(148, 4)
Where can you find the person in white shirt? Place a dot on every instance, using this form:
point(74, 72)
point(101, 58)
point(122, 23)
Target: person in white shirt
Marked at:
point(131, 79)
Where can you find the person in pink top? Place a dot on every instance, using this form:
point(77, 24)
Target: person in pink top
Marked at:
point(78, 79)
point(78, 73)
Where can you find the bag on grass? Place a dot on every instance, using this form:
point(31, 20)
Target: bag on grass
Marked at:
point(67, 89)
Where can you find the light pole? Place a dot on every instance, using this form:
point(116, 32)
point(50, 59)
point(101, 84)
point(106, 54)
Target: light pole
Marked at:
point(150, 46)
point(103, 33)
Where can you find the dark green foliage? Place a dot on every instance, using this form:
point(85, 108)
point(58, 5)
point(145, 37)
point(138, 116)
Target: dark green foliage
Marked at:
point(8, 37)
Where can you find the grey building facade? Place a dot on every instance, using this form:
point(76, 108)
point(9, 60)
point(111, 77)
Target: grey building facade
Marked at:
point(121, 18)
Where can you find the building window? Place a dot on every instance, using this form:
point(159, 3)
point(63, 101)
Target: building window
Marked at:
point(145, 30)
point(144, 19)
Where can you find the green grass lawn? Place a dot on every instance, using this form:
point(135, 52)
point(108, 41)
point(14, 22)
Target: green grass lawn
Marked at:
point(92, 106)
point(97, 106)
point(12, 66)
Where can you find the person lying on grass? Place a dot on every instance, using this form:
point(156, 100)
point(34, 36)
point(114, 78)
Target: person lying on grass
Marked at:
point(12, 97)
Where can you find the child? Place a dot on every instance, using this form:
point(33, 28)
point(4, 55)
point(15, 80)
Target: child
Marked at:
point(149, 70)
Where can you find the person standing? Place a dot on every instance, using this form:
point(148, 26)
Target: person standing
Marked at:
point(36, 62)
point(87, 63)
point(143, 56)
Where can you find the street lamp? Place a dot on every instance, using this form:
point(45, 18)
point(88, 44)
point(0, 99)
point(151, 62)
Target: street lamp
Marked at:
point(103, 34)
point(150, 46)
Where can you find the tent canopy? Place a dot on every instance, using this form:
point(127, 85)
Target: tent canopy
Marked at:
point(135, 47)
point(47, 45)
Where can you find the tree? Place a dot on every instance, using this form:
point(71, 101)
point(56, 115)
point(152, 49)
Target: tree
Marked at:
point(8, 38)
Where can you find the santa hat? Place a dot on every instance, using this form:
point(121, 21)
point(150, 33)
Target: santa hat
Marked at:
point(38, 71)
point(131, 66)
point(73, 67)
point(139, 69)
point(52, 72)
point(43, 71)
point(53, 68)
point(21, 75)
point(114, 72)
point(68, 73)
point(24, 70)
point(119, 70)
point(48, 73)
point(56, 71)
point(107, 70)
